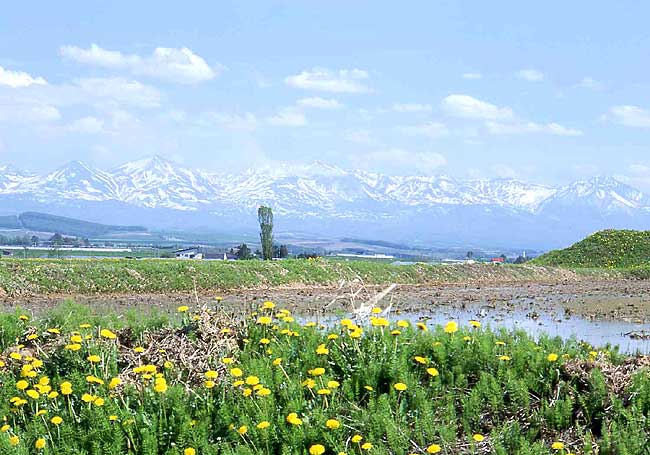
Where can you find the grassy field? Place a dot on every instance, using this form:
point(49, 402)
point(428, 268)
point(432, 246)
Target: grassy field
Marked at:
point(50, 253)
point(199, 382)
point(94, 276)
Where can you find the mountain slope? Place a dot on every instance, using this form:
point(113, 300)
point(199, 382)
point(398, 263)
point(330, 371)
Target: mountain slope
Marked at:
point(328, 200)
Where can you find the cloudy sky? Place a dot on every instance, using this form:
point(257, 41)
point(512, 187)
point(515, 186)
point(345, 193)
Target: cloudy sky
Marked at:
point(550, 92)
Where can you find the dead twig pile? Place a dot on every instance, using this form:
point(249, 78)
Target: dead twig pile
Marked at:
point(617, 377)
point(187, 351)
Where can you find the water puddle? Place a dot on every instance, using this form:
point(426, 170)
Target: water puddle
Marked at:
point(597, 333)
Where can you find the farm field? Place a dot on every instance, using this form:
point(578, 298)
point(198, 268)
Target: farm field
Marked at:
point(104, 276)
point(200, 381)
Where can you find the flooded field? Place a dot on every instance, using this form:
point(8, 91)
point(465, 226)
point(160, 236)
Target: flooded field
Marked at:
point(612, 312)
point(599, 333)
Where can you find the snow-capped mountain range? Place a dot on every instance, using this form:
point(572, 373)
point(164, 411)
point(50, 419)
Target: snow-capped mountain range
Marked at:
point(335, 201)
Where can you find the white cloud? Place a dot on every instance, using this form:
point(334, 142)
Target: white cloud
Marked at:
point(466, 106)
point(87, 125)
point(500, 120)
point(16, 79)
point(632, 116)
point(640, 169)
point(591, 84)
point(530, 75)
point(637, 176)
point(514, 128)
point(412, 107)
point(429, 129)
point(320, 103)
point(325, 80)
point(97, 56)
point(288, 117)
point(471, 76)
point(26, 113)
point(173, 64)
point(504, 171)
point(559, 130)
point(234, 122)
point(121, 91)
point(360, 137)
point(400, 161)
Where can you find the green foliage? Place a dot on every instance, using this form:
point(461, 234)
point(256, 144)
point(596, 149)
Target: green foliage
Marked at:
point(607, 249)
point(505, 386)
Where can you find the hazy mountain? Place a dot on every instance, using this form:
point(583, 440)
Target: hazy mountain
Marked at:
point(330, 201)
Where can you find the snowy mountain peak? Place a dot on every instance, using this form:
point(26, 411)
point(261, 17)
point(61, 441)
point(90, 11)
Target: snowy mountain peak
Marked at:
point(154, 164)
point(318, 189)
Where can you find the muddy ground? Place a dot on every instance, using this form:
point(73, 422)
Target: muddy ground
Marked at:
point(599, 300)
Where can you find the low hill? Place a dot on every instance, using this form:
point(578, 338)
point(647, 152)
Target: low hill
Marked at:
point(44, 222)
point(610, 248)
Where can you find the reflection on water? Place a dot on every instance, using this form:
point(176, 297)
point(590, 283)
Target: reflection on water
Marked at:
point(596, 333)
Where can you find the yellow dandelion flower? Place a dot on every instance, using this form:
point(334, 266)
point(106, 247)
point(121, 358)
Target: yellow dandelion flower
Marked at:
point(252, 380)
point(317, 371)
point(211, 374)
point(317, 449)
point(332, 424)
point(293, 419)
point(451, 327)
point(236, 372)
point(56, 420)
point(105, 333)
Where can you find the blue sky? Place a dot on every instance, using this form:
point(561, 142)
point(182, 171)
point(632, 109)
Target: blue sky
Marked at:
point(548, 92)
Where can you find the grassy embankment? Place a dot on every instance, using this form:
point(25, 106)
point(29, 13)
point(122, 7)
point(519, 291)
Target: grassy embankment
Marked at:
point(203, 384)
point(625, 250)
point(93, 276)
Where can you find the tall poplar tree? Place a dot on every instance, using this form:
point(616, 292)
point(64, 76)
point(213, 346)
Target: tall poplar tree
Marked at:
point(265, 218)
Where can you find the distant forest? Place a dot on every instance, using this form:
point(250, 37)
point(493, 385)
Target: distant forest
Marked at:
point(43, 222)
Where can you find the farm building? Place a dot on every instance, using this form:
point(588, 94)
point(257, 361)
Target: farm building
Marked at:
point(188, 253)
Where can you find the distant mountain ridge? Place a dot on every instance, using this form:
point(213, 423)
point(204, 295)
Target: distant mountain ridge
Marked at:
point(328, 200)
point(43, 222)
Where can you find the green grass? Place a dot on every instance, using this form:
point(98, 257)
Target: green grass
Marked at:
point(470, 391)
point(49, 253)
point(604, 249)
point(96, 276)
